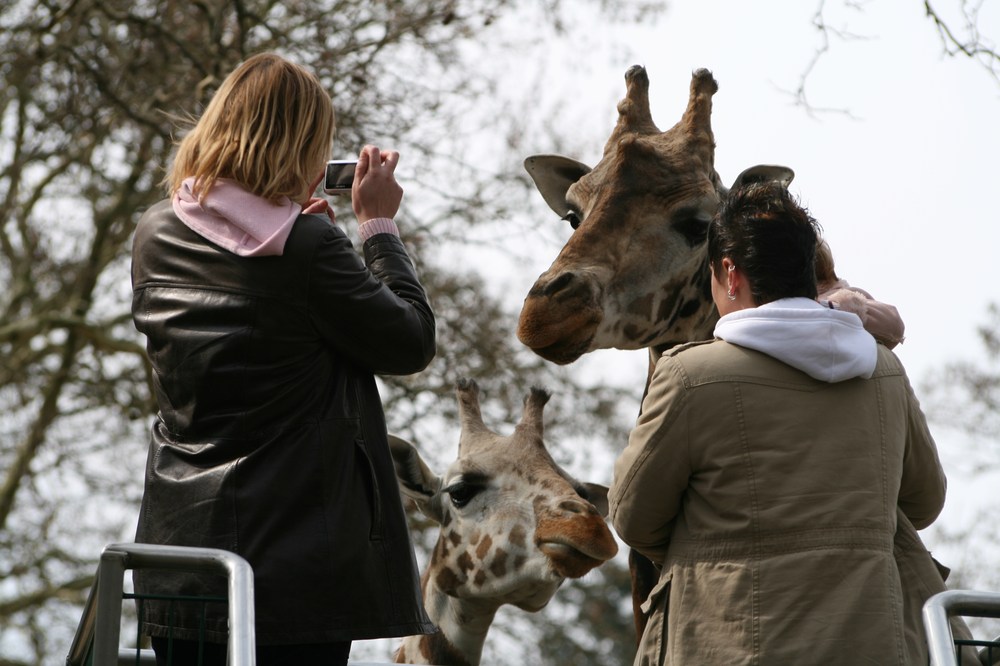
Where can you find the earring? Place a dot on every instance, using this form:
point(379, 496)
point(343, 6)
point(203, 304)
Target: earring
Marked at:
point(731, 296)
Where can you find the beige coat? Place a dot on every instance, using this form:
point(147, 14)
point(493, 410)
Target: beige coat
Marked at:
point(770, 501)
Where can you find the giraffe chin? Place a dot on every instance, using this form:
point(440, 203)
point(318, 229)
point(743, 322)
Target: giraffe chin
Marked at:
point(567, 561)
point(561, 354)
point(560, 336)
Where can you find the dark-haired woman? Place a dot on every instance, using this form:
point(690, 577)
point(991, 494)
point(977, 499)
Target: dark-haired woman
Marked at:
point(765, 472)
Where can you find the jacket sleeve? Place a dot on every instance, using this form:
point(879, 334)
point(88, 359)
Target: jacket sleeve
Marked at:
point(652, 473)
point(923, 485)
point(880, 319)
point(375, 312)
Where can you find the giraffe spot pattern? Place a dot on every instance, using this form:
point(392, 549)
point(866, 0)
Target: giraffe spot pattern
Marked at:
point(447, 579)
point(464, 562)
point(499, 565)
point(483, 549)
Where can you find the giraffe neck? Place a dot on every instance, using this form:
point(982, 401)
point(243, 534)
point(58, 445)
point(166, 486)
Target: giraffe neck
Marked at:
point(690, 313)
point(462, 623)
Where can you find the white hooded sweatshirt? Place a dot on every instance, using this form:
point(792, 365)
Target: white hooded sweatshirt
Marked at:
point(829, 345)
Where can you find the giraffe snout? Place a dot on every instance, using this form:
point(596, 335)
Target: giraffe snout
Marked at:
point(560, 316)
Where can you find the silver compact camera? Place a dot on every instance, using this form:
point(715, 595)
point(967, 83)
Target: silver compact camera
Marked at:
point(339, 176)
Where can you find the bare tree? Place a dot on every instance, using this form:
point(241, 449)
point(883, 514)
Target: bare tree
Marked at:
point(963, 399)
point(91, 94)
point(965, 396)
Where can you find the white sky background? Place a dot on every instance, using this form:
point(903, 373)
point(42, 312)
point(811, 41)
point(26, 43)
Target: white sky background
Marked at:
point(904, 184)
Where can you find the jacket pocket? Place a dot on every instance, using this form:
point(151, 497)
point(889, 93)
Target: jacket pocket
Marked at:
point(368, 469)
point(352, 501)
point(653, 644)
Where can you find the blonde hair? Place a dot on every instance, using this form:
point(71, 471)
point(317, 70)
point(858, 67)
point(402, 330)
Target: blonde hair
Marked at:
point(269, 127)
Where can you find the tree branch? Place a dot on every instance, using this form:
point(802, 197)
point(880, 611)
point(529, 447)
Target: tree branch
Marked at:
point(975, 47)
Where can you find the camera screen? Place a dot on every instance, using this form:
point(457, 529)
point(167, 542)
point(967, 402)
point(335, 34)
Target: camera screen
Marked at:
point(339, 175)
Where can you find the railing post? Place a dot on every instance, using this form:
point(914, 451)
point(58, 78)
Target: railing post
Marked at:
point(107, 627)
point(940, 607)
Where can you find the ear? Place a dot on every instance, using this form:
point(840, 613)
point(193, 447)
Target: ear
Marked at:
point(416, 480)
point(598, 497)
point(763, 173)
point(553, 174)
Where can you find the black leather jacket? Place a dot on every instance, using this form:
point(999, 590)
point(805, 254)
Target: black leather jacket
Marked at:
point(270, 440)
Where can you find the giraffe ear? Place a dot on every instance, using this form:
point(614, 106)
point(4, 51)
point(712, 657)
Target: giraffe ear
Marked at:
point(764, 173)
point(598, 496)
point(553, 174)
point(416, 480)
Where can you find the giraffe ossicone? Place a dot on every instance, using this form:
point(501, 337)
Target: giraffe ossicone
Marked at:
point(514, 526)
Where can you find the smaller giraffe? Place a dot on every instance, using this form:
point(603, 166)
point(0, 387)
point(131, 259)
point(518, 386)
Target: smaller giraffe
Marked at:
point(514, 526)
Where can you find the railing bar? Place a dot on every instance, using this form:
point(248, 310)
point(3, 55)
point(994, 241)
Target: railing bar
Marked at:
point(177, 597)
point(239, 597)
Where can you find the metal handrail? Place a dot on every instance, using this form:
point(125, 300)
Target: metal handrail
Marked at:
point(100, 624)
point(938, 609)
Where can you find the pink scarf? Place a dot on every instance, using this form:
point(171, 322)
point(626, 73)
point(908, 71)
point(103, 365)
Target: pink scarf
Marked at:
point(235, 219)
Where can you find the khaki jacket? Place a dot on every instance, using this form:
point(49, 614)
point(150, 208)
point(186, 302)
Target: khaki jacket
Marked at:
point(770, 501)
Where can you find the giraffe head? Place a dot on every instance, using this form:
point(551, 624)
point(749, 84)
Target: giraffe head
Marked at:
point(634, 273)
point(514, 525)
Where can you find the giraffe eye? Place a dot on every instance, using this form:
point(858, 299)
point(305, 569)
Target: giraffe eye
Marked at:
point(692, 223)
point(461, 493)
point(573, 218)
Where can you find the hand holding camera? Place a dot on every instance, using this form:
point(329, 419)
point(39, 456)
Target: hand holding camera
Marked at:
point(372, 183)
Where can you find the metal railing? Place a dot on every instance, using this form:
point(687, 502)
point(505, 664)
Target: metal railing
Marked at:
point(937, 612)
point(98, 634)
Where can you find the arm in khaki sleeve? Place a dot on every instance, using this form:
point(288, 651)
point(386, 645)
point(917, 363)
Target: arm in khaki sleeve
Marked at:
point(652, 472)
point(923, 486)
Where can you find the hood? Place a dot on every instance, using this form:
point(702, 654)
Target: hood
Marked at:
point(829, 345)
point(235, 219)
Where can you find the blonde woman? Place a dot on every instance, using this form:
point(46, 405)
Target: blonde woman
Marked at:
point(264, 330)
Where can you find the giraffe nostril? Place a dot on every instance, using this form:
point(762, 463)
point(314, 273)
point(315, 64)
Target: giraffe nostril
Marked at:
point(567, 285)
point(577, 507)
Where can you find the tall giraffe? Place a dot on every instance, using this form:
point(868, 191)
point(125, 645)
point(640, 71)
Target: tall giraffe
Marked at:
point(514, 526)
point(635, 271)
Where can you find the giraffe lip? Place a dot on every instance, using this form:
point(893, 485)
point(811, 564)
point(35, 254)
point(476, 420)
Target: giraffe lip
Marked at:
point(561, 354)
point(567, 560)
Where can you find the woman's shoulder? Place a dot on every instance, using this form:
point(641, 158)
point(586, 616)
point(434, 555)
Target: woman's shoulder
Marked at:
point(712, 361)
point(315, 232)
point(161, 212)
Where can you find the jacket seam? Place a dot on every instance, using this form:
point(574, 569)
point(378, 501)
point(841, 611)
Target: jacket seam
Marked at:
point(891, 569)
point(755, 521)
